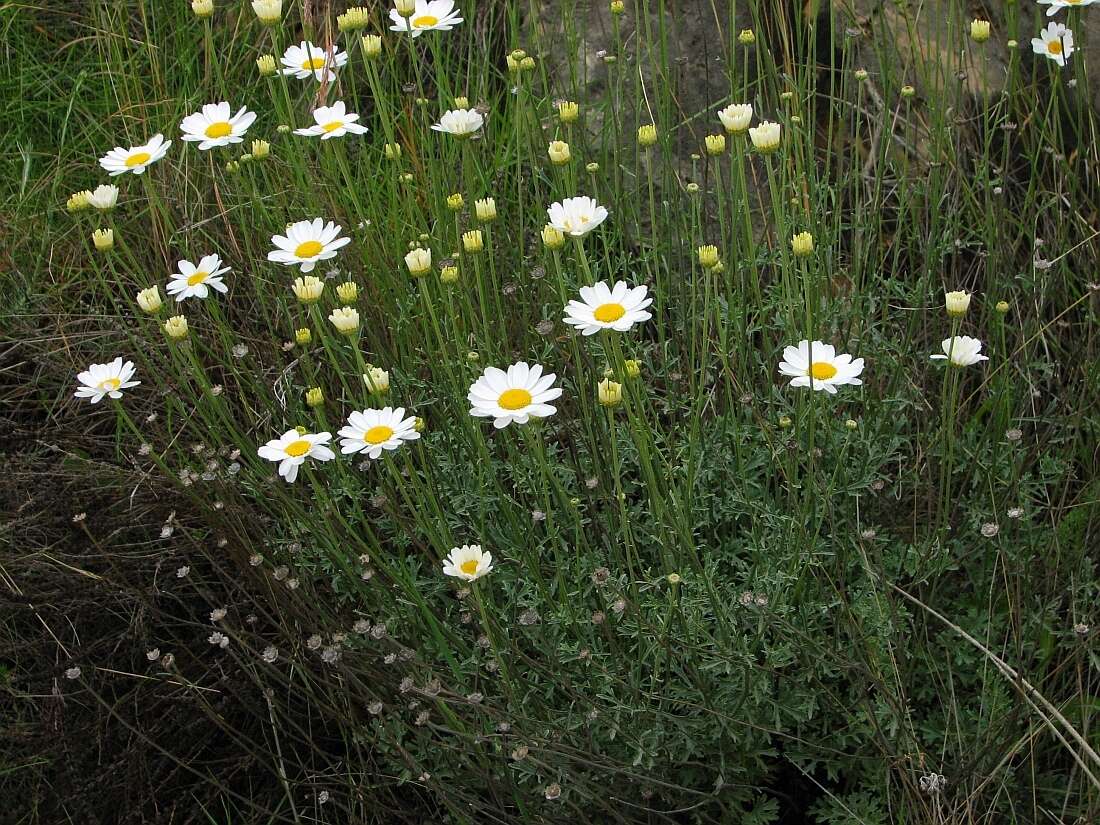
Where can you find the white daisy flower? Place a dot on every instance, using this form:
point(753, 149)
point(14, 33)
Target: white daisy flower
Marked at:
point(216, 125)
point(459, 122)
point(293, 448)
point(306, 60)
point(818, 366)
point(100, 380)
point(619, 308)
point(136, 159)
point(576, 216)
point(1055, 41)
point(961, 351)
point(196, 281)
point(306, 243)
point(332, 121)
point(468, 562)
point(372, 431)
point(517, 395)
point(736, 117)
point(1057, 5)
point(429, 15)
point(104, 197)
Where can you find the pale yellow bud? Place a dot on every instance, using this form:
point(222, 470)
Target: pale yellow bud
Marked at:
point(455, 201)
point(462, 102)
point(559, 152)
point(372, 45)
point(647, 135)
point(632, 368)
point(708, 256)
point(104, 239)
point(202, 8)
point(268, 12)
point(609, 393)
point(716, 144)
point(266, 65)
point(149, 300)
point(472, 241)
point(618, 6)
point(347, 292)
point(979, 30)
point(260, 149)
point(957, 303)
point(552, 238)
point(79, 201)
point(802, 245)
point(568, 111)
point(485, 209)
point(392, 151)
point(449, 274)
point(303, 336)
point(345, 319)
point(419, 261)
point(315, 397)
point(353, 19)
point(377, 380)
point(766, 137)
point(176, 327)
point(308, 288)
point(746, 37)
point(405, 7)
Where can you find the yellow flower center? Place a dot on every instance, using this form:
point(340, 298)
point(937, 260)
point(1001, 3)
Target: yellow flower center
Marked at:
point(514, 399)
point(468, 567)
point(1054, 47)
point(313, 63)
point(308, 249)
point(137, 159)
point(110, 384)
point(822, 370)
point(609, 313)
point(424, 20)
point(298, 448)
point(378, 435)
point(332, 127)
point(198, 278)
point(219, 130)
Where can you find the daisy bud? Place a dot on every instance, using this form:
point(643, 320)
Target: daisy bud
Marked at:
point(736, 117)
point(462, 102)
point(345, 319)
point(908, 91)
point(552, 238)
point(268, 12)
point(979, 30)
point(851, 424)
point(1012, 44)
point(232, 166)
point(618, 7)
point(592, 167)
point(785, 422)
point(746, 37)
point(202, 8)
point(568, 111)
point(802, 245)
point(419, 261)
point(308, 288)
point(419, 424)
point(957, 303)
point(377, 380)
point(372, 46)
point(353, 19)
point(79, 201)
point(609, 393)
point(405, 7)
point(455, 201)
point(392, 151)
point(266, 65)
point(861, 75)
point(708, 256)
point(104, 239)
point(473, 357)
point(260, 149)
point(632, 368)
point(716, 144)
point(314, 397)
point(303, 336)
point(104, 197)
point(347, 292)
point(718, 268)
point(485, 209)
point(1002, 307)
point(766, 137)
point(176, 327)
point(449, 274)
point(692, 188)
point(527, 64)
point(647, 135)
point(283, 129)
point(149, 300)
point(559, 152)
point(472, 241)
point(673, 579)
point(512, 64)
